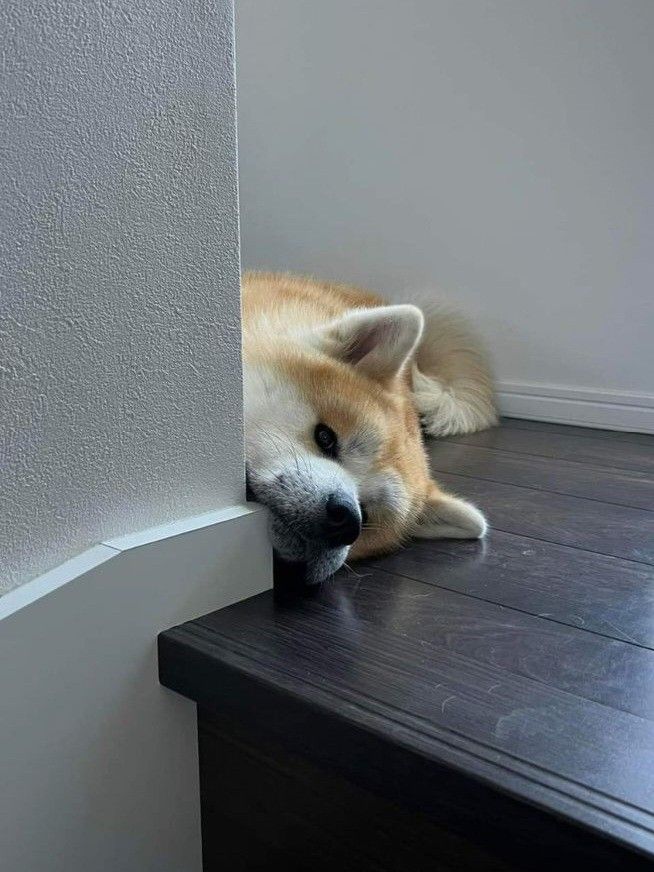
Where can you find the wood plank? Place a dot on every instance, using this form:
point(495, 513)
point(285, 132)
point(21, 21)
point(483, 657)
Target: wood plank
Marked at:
point(614, 673)
point(586, 432)
point(619, 486)
point(605, 595)
point(581, 449)
point(397, 683)
point(306, 817)
point(403, 678)
point(430, 810)
point(616, 531)
point(512, 675)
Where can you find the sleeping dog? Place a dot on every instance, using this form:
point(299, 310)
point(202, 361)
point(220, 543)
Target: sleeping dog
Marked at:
point(339, 389)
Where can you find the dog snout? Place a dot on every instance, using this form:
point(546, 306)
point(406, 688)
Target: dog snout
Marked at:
point(342, 520)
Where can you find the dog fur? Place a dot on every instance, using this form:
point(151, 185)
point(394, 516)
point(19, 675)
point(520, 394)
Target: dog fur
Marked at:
point(318, 353)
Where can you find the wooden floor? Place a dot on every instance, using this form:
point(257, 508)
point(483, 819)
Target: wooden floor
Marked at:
point(524, 662)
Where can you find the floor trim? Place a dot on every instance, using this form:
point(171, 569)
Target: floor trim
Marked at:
point(610, 410)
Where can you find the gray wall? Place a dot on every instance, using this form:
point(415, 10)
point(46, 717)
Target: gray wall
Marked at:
point(499, 149)
point(121, 397)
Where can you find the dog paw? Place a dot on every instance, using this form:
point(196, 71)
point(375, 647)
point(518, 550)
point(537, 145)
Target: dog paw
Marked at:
point(447, 517)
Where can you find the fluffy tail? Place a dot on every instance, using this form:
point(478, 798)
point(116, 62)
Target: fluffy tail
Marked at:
point(452, 381)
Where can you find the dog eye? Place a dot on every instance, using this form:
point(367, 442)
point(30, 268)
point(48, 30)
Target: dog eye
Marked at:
point(326, 440)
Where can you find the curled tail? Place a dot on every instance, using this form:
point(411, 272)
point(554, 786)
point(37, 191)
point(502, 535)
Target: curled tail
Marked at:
point(452, 380)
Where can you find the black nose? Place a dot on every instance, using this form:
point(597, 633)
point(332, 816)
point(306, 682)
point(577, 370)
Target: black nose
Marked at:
point(343, 520)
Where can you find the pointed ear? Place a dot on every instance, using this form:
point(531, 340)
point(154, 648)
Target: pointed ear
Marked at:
point(447, 517)
point(378, 342)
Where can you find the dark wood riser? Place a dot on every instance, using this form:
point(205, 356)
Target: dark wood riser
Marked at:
point(264, 807)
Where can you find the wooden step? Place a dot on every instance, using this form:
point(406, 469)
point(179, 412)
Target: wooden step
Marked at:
point(458, 705)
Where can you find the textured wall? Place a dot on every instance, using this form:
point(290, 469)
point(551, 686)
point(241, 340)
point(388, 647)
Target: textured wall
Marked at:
point(501, 149)
point(119, 329)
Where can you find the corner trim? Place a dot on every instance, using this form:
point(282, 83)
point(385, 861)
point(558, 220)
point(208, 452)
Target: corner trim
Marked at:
point(43, 585)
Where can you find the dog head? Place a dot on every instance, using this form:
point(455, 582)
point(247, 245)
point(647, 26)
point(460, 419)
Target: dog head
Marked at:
point(333, 447)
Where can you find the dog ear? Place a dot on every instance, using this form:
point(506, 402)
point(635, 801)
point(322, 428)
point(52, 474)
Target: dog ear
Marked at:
point(376, 341)
point(448, 517)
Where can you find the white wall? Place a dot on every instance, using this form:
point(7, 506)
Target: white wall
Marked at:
point(121, 408)
point(120, 375)
point(502, 150)
point(99, 763)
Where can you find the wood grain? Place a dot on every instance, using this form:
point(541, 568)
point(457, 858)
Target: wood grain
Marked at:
point(484, 697)
point(604, 528)
point(617, 486)
point(307, 818)
point(586, 432)
point(614, 673)
point(407, 681)
point(617, 454)
point(606, 595)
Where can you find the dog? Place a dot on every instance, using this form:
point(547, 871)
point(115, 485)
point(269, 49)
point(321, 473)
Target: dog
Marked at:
point(339, 389)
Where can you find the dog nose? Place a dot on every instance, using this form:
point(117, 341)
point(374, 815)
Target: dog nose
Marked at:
point(343, 521)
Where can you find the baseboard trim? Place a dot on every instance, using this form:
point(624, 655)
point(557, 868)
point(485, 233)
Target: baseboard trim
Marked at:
point(627, 411)
point(78, 566)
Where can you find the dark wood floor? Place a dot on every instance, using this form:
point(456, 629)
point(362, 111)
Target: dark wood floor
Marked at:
point(518, 671)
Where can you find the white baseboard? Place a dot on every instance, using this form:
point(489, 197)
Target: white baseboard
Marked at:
point(99, 762)
point(627, 411)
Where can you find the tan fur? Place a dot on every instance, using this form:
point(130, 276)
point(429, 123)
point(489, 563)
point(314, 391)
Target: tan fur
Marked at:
point(278, 310)
point(452, 383)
